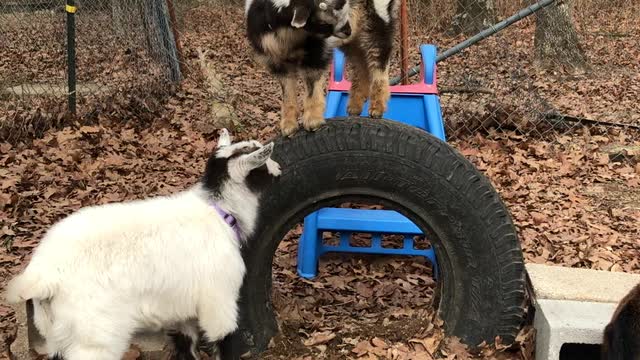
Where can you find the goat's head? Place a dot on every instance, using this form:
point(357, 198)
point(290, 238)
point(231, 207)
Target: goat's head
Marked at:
point(245, 166)
point(322, 17)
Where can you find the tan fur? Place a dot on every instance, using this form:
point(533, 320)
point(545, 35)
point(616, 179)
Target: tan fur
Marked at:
point(289, 120)
point(314, 102)
point(278, 45)
point(360, 85)
point(380, 92)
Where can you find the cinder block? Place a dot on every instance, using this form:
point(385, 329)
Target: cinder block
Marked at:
point(560, 322)
point(565, 283)
point(573, 306)
point(29, 342)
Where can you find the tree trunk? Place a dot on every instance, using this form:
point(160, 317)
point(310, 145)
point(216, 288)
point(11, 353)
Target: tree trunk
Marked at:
point(160, 40)
point(473, 16)
point(556, 40)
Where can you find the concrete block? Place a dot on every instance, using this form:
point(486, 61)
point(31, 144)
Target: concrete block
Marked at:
point(565, 283)
point(573, 306)
point(560, 322)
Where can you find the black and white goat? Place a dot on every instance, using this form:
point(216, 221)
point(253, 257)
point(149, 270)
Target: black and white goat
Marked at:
point(169, 262)
point(291, 36)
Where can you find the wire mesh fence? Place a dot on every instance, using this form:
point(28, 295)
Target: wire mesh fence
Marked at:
point(126, 57)
point(544, 74)
point(567, 66)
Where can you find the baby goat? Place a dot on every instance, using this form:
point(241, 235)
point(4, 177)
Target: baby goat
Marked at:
point(291, 36)
point(169, 262)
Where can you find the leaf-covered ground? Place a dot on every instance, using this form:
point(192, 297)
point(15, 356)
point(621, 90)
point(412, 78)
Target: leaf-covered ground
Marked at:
point(575, 197)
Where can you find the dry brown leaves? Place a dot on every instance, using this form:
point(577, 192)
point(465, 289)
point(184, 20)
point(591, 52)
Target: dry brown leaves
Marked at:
point(573, 203)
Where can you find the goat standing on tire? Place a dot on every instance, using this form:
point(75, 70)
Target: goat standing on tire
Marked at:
point(291, 36)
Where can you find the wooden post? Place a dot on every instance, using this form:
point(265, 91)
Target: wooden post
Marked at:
point(404, 42)
point(174, 24)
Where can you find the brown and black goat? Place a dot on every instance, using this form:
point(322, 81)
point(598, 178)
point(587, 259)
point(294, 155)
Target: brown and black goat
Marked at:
point(297, 36)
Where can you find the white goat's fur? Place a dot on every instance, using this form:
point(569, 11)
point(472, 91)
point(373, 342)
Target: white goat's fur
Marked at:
point(107, 271)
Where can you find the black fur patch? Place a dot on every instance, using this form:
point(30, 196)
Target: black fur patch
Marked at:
point(259, 179)
point(182, 345)
point(317, 27)
point(381, 34)
point(622, 335)
point(216, 173)
point(264, 18)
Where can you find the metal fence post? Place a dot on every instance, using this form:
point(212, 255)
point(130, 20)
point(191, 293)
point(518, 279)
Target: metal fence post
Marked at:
point(70, 9)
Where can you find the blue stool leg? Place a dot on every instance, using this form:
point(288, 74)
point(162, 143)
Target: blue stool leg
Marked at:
point(431, 256)
point(435, 124)
point(308, 247)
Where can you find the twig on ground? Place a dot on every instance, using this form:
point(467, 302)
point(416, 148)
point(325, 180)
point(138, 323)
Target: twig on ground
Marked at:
point(462, 89)
point(584, 121)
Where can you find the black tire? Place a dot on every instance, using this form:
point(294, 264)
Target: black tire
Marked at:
point(479, 255)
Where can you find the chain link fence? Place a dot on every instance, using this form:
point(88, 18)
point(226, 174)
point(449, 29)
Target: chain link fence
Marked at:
point(127, 57)
point(566, 67)
point(555, 71)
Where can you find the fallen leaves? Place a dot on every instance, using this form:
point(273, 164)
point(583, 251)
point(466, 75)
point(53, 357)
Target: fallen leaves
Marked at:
point(575, 198)
point(319, 338)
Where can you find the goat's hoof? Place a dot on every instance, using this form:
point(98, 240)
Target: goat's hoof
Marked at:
point(313, 124)
point(288, 131)
point(376, 114)
point(354, 111)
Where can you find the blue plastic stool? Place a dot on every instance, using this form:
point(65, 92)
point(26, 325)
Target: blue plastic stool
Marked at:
point(417, 105)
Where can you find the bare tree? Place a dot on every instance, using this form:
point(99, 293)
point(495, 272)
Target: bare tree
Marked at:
point(556, 40)
point(472, 16)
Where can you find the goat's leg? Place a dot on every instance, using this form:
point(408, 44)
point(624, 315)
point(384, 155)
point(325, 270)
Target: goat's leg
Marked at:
point(360, 82)
point(84, 352)
point(105, 337)
point(96, 343)
point(185, 341)
point(314, 102)
point(289, 120)
point(218, 316)
point(380, 92)
point(378, 46)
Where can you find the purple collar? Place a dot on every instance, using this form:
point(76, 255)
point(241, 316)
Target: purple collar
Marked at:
point(229, 219)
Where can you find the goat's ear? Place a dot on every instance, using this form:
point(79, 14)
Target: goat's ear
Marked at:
point(224, 139)
point(300, 16)
point(259, 157)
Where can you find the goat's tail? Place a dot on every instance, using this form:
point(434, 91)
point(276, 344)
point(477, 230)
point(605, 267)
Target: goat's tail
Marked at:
point(29, 285)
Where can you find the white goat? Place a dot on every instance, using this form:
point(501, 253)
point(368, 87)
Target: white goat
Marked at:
point(169, 262)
